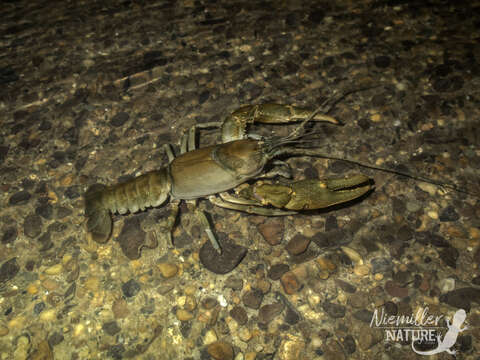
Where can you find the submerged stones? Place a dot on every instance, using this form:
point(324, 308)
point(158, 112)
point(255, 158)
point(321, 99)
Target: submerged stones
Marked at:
point(32, 226)
point(130, 288)
point(8, 270)
point(19, 198)
point(94, 108)
point(298, 244)
point(232, 255)
point(220, 350)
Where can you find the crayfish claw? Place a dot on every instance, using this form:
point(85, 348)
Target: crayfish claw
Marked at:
point(312, 194)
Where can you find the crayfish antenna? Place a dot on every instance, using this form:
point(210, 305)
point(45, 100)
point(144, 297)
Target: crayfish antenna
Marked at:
point(99, 220)
point(325, 107)
point(442, 184)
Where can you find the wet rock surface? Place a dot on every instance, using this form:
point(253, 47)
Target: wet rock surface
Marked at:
point(225, 262)
point(90, 92)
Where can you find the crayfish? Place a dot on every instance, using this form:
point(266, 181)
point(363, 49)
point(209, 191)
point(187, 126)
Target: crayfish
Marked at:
point(210, 172)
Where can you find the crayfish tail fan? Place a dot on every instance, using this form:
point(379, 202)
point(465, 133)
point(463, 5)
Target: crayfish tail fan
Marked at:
point(99, 220)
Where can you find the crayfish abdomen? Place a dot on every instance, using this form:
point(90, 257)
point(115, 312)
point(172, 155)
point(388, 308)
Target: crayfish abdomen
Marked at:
point(148, 190)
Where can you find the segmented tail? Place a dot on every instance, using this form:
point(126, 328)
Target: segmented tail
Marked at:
point(99, 219)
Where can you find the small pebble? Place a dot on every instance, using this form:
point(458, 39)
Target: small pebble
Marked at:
point(461, 298)
point(413, 206)
point(239, 314)
point(45, 211)
point(361, 270)
point(381, 265)
point(253, 298)
point(349, 344)
point(368, 337)
point(19, 198)
point(290, 283)
point(3, 330)
point(92, 283)
point(48, 315)
point(449, 256)
point(10, 235)
point(431, 189)
point(291, 316)
point(334, 351)
point(32, 289)
point(55, 339)
point(323, 275)
point(353, 255)
point(277, 270)
point(32, 226)
point(291, 348)
point(130, 288)
point(446, 285)
point(17, 322)
point(111, 328)
point(79, 330)
point(474, 233)
point(449, 214)
point(184, 315)
point(363, 315)
point(245, 334)
point(234, 283)
point(396, 290)
point(22, 347)
point(120, 309)
point(222, 301)
point(334, 310)
point(359, 300)
point(298, 244)
point(8, 270)
point(54, 299)
point(209, 303)
point(190, 303)
point(272, 231)
point(54, 269)
point(345, 286)
point(43, 352)
point(210, 337)
point(220, 350)
point(38, 308)
point(263, 285)
point(268, 312)
point(168, 270)
point(326, 264)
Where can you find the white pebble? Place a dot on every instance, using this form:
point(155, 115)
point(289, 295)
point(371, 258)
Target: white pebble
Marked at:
point(222, 301)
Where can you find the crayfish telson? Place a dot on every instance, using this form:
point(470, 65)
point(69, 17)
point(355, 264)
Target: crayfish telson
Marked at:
point(215, 169)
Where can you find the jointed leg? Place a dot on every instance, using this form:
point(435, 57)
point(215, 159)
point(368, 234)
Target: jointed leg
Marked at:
point(208, 229)
point(248, 208)
point(188, 138)
point(168, 150)
point(172, 217)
